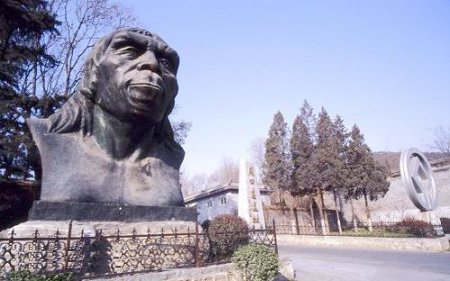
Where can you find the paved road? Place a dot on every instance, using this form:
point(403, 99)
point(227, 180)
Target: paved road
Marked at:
point(337, 264)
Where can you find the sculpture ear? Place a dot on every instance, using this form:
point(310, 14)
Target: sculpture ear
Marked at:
point(87, 93)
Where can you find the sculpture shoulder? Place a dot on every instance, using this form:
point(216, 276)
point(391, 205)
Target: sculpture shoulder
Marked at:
point(47, 141)
point(172, 154)
point(38, 126)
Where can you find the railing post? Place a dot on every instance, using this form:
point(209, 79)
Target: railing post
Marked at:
point(196, 249)
point(13, 257)
point(66, 253)
point(275, 236)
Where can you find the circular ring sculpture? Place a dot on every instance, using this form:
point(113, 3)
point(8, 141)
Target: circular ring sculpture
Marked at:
point(418, 177)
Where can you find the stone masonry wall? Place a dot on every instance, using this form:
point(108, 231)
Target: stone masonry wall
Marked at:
point(413, 244)
point(224, 272)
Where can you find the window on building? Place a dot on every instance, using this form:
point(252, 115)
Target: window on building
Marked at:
point(223, 200)
point(209, 203)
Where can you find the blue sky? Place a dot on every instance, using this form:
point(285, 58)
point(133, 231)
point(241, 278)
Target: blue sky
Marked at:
point(384, 65)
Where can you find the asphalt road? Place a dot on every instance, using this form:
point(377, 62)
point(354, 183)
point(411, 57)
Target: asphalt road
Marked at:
point(336, 264)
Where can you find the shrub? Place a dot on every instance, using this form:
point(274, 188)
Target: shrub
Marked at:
point(446, 225)
point(25, 275)
point(415, 227)
point(257, 262)
point(227, 233)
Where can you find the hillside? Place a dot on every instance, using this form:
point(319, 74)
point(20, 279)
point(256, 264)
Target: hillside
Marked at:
point(391, 160)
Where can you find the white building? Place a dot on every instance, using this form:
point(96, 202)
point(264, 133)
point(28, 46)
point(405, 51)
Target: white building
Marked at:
point(219, 200)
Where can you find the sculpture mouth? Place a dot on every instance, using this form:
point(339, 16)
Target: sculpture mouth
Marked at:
point(144, 92)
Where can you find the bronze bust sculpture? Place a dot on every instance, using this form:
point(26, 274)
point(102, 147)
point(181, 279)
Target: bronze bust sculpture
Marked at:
point(112, 142)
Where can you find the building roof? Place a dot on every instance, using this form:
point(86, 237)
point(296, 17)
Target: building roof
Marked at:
point(218, 190)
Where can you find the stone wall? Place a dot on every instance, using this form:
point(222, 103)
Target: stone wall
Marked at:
point(396, 205)
point(413, 244)
point(224, 272)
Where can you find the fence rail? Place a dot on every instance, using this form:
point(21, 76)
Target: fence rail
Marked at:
point(106, 255)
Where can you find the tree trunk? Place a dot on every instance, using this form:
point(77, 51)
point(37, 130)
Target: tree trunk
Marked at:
point(297, 227)
point(311, 209)
point(341, 204)
point(279, 196)
point(355, 225)
point(327, 221)
point(369, 219)
point(322, 214)
point(338, 219)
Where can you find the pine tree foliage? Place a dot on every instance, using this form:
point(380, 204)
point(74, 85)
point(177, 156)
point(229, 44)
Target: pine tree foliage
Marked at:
point(325, 159)
point(275, 167)
point(340, 140)
point(365, 177)
point(301, 146)
point(309, 118)
point(22, 25)
point(378, 185)
point(357, 162)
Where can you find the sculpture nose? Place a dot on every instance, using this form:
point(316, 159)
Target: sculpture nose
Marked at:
point(148, 61)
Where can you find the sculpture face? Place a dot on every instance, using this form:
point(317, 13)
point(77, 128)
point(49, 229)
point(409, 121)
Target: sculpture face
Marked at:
point(137, 77)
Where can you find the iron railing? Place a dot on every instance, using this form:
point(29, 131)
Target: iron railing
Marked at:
point(106, 255)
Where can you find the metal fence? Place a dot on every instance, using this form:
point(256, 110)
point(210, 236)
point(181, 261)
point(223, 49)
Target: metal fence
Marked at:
point(105, 255)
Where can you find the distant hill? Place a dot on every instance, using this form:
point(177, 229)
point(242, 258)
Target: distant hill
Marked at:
point(391, 160)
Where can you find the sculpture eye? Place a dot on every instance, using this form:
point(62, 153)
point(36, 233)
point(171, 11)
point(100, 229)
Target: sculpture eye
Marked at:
point(130, 51)
point(165, 63)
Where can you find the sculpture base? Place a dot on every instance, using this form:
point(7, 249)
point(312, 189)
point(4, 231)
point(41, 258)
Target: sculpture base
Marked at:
point(431, 218)
point(86, 211)
point(48, 228)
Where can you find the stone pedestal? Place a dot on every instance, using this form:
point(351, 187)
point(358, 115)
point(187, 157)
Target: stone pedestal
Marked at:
point(433, 219)
point(48, 228)
point(87, 211)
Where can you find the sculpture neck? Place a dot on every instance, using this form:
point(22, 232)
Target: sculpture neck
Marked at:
point(121, 139)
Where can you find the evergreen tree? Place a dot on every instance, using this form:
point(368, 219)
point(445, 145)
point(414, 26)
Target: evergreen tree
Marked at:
point(275, 167)
point(325, 162)
point(22, 25)
point(302, 148)
point(357, 159)
point(340, 139)
point(365, 177)
point(378, 184)
point(309, 119)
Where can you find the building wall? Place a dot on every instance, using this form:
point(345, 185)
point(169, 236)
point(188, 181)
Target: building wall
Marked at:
point(212, 206)
point(209, 208)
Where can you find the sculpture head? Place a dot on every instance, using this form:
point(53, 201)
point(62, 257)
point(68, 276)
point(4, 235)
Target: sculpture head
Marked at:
point(130, 74)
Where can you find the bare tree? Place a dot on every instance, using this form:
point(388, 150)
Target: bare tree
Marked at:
point(82, 23)
point(441, 140)
point(197, 183)
point(227, 173)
